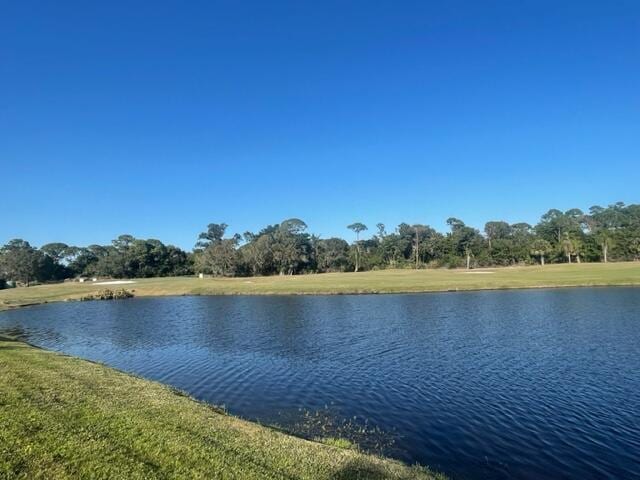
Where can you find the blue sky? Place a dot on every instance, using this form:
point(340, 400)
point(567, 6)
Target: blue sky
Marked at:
point(156, 118)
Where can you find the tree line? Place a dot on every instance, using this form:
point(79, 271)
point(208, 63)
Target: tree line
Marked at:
point(603, 234)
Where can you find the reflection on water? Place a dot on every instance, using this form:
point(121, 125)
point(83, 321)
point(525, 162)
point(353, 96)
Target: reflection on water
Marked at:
point(525, 384)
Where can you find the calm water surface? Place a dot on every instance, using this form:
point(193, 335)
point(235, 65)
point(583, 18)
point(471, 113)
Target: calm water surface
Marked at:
point(518, 384)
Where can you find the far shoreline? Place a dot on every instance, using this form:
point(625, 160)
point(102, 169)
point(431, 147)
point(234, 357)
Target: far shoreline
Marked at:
point(380, 282)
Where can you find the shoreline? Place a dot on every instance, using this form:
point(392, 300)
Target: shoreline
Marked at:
point(5, 308)
point(100, 419)
point(380, 282)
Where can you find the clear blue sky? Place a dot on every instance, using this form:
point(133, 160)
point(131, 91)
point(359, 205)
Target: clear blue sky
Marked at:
point(156, 118)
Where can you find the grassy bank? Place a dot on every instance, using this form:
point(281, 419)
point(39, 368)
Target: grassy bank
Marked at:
point(384, 281)
point(62, 417)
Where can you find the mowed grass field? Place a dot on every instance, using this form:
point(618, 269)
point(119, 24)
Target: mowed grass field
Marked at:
point(383, 281)
point(66, 418)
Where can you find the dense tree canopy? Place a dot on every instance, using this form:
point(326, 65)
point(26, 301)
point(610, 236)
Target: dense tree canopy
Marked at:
point(20, 262)
point(603, 234)
point(126, 257)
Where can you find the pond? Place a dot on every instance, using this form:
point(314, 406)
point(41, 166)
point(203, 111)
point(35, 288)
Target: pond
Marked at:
point(501, 384)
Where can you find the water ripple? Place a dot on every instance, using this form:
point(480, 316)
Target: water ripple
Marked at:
point(527, 384)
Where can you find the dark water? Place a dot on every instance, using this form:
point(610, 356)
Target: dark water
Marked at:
point(519, 384)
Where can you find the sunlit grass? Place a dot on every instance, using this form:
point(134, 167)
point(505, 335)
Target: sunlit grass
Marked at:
point(337, 442)
point(62, 417)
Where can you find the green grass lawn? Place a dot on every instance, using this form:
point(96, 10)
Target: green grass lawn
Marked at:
point(63, 417)
point(383, 281)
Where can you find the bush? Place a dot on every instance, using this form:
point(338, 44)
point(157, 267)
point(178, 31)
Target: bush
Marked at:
point(107, 294)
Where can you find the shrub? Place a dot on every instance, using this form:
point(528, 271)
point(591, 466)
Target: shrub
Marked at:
point(107, 294)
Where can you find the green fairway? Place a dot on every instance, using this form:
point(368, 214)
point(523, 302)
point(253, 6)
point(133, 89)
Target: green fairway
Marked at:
point(382, 281)
point(62, 417)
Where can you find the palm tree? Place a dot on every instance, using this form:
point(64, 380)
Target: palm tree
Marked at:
point(357, 227)
point(540, 248)
point(314, 240)
point(568, 247)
